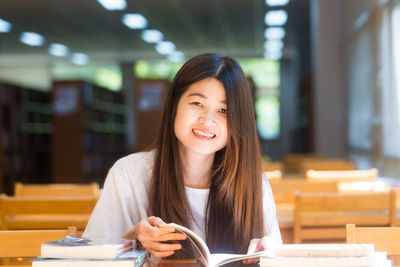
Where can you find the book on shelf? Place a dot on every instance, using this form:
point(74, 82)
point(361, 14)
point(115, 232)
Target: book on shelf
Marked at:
point(131, 258)
point(216, 259)
point(73, 247)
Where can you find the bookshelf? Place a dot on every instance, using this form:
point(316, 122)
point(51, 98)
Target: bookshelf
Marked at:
point(149, 100)
point(25, 140)
point(89, 131)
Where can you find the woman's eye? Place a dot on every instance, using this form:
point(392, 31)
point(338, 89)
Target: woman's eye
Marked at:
point(197, 104)
point(223, 110)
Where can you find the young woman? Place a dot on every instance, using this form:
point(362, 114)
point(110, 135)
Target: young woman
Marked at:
point(204, 173)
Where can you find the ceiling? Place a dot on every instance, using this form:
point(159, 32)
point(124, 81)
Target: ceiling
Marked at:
point(230, 27)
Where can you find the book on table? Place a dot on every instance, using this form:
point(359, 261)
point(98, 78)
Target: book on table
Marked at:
point(73, 247)
point(132, 258)
point(325, 255)
point(74, 251)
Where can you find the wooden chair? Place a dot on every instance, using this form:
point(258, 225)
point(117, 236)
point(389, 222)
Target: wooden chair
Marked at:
point(26, 244)
point(284, 190)
point(327, 165)
point(396, 207)
point(45, 213)
point(268, 166)
point(284, 195)
point(273, 176)
point(322, 217)
point(56, 190)
point(292, 162)
point(343, 176)
point(385, 239)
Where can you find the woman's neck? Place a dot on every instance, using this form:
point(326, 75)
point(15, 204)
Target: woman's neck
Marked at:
point(196, 168)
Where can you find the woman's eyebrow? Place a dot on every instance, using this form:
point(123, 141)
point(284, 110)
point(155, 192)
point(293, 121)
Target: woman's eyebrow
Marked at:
point(198, 94)
point(203, 96)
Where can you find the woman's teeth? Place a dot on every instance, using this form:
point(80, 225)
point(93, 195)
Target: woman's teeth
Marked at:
point(203, 134)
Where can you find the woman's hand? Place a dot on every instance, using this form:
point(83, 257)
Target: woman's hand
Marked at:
point(150, 234)
point(256, 245)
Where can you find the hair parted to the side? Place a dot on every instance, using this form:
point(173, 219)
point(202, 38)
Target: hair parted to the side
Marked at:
point(234, 209)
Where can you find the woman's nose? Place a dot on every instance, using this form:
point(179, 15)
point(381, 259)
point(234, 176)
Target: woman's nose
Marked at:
point(207, 117)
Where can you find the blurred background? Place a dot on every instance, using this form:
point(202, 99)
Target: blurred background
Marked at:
point(83, 82)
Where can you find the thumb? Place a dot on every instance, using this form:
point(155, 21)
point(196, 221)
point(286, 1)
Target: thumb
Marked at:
point(253, 245)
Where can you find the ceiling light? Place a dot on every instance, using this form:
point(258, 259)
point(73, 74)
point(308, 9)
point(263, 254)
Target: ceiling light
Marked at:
point(275, 33)
point(5, 26)
point(152, 36)
point(80, 58)
point(361, 20)
point(31, 39)
point(58, 50)
point(113, 4)
point(277, 2)
point(134, 21)
point(273, 45)
point(165, 47)
point(176, 56)
point(277, 55)
point(276, 17)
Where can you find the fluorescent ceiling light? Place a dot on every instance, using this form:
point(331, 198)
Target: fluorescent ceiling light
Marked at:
point(80, 59)
point(277, 55)
point(165, 47)
point(273, 45)
point(134, 21)
point(176, 56)
point(5, 26)
point(152, 36)
point(361, 20)
point(276, 17)
point(32, 39)
point(113, 4)
point(277, 2)
point(275, 33)
point(58, 50)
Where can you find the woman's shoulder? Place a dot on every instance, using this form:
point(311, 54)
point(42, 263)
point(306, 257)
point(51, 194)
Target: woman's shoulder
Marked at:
point(135, 163)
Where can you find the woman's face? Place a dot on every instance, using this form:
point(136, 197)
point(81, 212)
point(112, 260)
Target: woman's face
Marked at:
point(201, 117)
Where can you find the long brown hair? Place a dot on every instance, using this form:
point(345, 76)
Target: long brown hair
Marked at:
point(234, 213)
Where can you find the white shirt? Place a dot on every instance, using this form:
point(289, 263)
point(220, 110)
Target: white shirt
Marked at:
point(123, 202)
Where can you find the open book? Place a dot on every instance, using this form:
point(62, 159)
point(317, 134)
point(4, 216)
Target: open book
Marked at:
point(216, 259)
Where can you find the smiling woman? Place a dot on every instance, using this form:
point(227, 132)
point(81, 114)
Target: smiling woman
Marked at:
point(201, 119)
point(204, 172)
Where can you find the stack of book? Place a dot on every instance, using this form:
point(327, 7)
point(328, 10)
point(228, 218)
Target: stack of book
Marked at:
point(325, 255)
point(73, 251)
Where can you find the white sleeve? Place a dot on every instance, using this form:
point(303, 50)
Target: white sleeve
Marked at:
point(270, 219)
point(113, 215)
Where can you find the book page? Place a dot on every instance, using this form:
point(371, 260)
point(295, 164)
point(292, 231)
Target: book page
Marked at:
point(218, 259)
point(199, 245)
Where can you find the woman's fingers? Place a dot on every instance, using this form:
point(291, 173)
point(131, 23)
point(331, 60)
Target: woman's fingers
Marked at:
point(159, 254)
point(151, 232)
point(155, 221)
point(162, 247)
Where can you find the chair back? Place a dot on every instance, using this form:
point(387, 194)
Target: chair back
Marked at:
point(56, 190)
point(384, 238)
point(327, 165)
point(322, 217)
point(396, 207)
point(343, 176)
point(27, 243)
point(30, 213)
point(284, 189)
